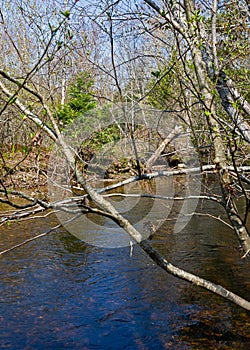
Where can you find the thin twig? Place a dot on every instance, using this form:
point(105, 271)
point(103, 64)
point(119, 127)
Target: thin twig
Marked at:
point(38, 236)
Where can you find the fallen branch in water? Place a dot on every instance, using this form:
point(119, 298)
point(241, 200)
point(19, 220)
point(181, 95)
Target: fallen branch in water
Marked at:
point(20, 214)
point(171, 198)
point(166, 173)
point(107, 207)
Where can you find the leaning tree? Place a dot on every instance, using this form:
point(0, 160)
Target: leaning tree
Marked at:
point(204, 79)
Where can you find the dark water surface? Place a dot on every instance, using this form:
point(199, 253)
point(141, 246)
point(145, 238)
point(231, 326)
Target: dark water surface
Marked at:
point(59, 293)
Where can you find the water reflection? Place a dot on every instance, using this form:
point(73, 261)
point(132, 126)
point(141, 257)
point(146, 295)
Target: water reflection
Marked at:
point(59, 293)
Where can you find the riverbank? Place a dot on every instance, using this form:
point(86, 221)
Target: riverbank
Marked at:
point(24, 168)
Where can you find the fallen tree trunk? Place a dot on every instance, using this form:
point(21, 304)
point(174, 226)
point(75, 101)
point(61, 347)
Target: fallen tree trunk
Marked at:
point(150, 162)
point(101, 202)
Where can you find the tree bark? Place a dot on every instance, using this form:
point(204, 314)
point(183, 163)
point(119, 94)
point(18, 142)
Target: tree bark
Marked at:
point(182, 21)
point(229, 96)
point(219, 148)
point(161, 147)
point(125, 224)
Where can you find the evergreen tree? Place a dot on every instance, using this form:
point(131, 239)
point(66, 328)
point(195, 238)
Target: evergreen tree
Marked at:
point(80, 99)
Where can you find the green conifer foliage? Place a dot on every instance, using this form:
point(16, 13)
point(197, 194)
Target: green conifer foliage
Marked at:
point(80, 99)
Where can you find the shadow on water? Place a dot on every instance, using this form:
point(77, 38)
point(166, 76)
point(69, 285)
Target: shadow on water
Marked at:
point(59, 293)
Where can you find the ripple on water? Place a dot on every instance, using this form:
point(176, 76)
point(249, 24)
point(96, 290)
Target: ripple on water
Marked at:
point(58, 293)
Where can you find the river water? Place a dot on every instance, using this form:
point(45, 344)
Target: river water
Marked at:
point(58, 292)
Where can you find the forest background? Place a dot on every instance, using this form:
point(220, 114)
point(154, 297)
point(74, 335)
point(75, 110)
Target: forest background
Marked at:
point(125, 69)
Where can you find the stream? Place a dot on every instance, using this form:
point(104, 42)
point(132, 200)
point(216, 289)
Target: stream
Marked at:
point(58, 292)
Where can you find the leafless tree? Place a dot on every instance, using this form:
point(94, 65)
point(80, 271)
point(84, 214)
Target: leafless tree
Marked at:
point(196, 48)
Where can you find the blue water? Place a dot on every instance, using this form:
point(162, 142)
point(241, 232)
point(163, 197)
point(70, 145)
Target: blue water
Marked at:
point(59, 293)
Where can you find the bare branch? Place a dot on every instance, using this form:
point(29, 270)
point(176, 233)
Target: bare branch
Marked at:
point(201, 282)
point(33, 117)
point(38, 236)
